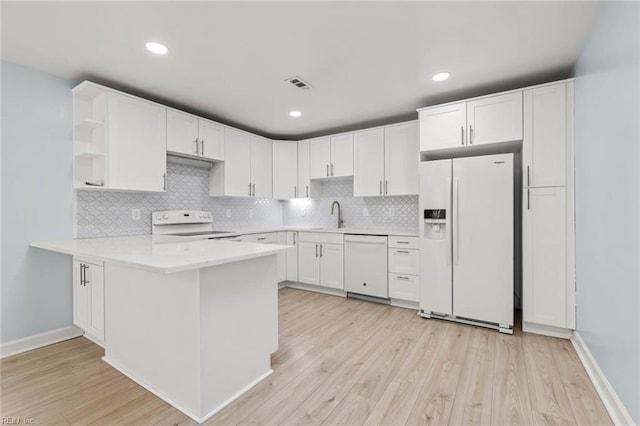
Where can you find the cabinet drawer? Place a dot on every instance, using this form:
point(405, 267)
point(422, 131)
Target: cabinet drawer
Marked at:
point(404, 261)
point(397, 241)
point(321, 237)
point(403, 287)
point(265, 238)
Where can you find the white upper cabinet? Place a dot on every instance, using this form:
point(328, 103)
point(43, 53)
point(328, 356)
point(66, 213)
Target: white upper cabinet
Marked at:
point(495, 119)
point(386, 161)
point(137, 144)
point(285, 170)
point(368, 168)
point(341, 155)
point(304, 179)
point(331, 156)
point(211, 140)
point(247, 170)
point(402, 159)
point(544, 149)
point(443, 127)
point(233, 176)
point(486, 120)
point(319, 157)
point(261, 167)
point(194, 137)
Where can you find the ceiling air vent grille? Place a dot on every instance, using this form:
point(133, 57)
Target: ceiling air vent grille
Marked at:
point(299, 82)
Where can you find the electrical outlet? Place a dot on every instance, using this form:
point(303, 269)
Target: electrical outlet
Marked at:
point(228, 213)
point(392, 211)
point(365, 211)
point(135, 214)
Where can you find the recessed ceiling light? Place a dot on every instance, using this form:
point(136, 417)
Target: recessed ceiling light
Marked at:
point(295, 113)
point(441, 76)
point(157, 48)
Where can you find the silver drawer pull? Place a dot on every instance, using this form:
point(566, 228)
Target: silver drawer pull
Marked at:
point(262, 238)
point(402, 242)
point(402, 278)
point(402, 251)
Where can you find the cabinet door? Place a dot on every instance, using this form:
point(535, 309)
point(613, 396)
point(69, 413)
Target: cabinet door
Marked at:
point(495, 119)
point(545, 136)
point(95, 285)
point(262, 167)
point(182, 133)
point(308, 263)
point(544, 256)
point(211, 140)
point(332, 266)
point(304, 183)
point(285, 170)
point(368, 167)
point(292, 256)
point(402, 158)
point(319, 157)
point(237, 165)
point(443, 127)
point(282, 258)
point(137, 153)
point(80, 297)
point(341, 155)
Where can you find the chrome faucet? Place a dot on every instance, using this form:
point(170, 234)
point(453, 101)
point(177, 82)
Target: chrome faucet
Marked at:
point(340, 221)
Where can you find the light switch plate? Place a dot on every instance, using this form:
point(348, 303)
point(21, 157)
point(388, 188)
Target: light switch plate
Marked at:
point(135, 214)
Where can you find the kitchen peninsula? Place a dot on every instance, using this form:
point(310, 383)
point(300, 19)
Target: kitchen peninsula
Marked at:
point(193, 322)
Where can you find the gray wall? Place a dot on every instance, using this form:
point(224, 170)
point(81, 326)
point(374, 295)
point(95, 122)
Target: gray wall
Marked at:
point(36, 289)
point(607, 112)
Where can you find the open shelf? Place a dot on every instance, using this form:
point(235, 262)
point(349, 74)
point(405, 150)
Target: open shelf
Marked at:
point(89, 154)
point(89, 124)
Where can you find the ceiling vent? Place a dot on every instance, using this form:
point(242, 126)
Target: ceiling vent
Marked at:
point(299, 82)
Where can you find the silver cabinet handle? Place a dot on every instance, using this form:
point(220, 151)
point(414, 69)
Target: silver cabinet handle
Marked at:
point(196, 141)
point(528, 199)
point(331, 175)
point(401, 278)
point(164, 181)
point(86, 281)
point(262, 238)
point(320, 250)
point(380, 187)
point(202, 147)
point(470, 134)
point(294, 238)
point(402, 251)
point(254, 189)
point(295, 191)
point(402, 242)
point(249, 190)
point(327, 170)
point(462, 135)
point(528, 176)
point(316, 250)
point(307, 191)
point(386, 187)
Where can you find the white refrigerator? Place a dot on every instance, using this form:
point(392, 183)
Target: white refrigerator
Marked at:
point(467, 240)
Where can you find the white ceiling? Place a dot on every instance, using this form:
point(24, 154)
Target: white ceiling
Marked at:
point(369, 62)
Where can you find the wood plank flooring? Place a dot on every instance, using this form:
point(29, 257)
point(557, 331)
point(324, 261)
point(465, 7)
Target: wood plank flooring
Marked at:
point(340, 362)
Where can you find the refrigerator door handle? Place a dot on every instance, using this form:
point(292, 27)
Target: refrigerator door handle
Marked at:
point(448, 234)
point(455, 219)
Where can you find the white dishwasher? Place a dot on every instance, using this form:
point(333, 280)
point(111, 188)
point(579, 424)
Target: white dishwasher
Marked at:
point(365, 265)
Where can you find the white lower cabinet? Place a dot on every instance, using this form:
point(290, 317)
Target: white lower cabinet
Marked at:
point(404, 268)
point(271, 238)
point(292, 256)
point(321, 259)
point(88, 298)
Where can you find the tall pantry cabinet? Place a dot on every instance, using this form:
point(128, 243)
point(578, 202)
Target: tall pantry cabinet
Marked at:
point(548, 258)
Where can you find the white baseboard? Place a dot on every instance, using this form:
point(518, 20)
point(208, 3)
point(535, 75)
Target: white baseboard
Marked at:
point(612, 403)
point(547, 330)
point(316, 288)
point(39, 340)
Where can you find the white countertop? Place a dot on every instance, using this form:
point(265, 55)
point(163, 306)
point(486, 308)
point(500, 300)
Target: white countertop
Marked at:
point(328, 230)
point(163, 257)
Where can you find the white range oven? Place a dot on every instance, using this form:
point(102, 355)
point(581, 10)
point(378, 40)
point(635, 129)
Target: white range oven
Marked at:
point(186, 225)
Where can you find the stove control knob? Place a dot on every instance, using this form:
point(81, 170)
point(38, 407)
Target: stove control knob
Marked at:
point(159, 217)
point(165, 217)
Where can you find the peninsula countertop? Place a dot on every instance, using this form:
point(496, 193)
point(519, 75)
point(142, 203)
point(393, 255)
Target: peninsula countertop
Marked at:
point(145, 252)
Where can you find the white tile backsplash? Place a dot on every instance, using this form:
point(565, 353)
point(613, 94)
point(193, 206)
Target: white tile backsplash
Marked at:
point(104, 214)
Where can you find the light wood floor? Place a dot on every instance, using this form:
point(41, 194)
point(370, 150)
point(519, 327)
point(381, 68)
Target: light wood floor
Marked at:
point(341, 361)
